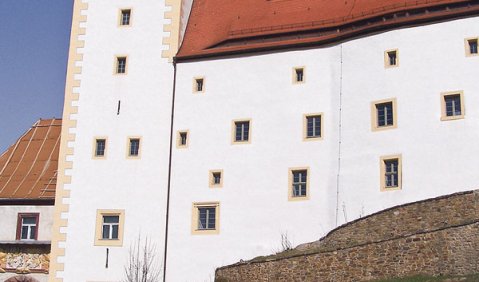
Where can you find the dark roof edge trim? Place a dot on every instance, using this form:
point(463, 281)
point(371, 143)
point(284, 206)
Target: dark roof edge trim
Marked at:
point(27, 202)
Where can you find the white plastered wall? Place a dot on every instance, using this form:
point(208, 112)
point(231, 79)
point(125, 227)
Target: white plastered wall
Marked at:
point(8, 223)
point(137, 186)
point(437, 156)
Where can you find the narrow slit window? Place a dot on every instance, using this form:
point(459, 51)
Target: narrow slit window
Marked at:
point(121, 65)
point(199, 84)
point(183, 138)
point(391, 58)
point(125, 17)
point(299, 72)
point(242, 131)
point(299, 183)
point(472, 46)
point(100, 146)
point(134, 148)
point(216, 178)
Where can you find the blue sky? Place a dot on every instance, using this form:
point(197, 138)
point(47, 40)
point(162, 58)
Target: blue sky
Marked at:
point(34, 40)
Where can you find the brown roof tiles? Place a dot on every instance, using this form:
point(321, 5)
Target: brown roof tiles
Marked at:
point(219, 27)
point(28, 169)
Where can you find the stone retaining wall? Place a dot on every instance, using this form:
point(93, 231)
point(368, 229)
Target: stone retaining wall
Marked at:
point(434, 237)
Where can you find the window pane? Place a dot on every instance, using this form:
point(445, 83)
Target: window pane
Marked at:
point(111, 219)
point(183, 137)
point(33, 230)
point(24, 232)
point(114, 234)
point(100, 147)
point(385, 114)
point(29, 220)
point(391, 173)
point(453, 105)
point(106, 232)
point(242, 131)
point(134, 147)
point(473, 46)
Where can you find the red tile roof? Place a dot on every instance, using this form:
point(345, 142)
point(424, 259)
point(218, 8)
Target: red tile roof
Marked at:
point(218, 27)
point(28, 169)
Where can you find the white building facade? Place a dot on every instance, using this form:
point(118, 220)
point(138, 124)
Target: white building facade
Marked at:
point(282, 140)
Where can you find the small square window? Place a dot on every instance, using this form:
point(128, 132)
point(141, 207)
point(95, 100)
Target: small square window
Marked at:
point(100, 148)
point(383, 114)
point(205, 218)
point(109, 227)
point(182, 139)
point(312, 128)
point(298, 184)
point(134, 147)
point(241, 131)
point(391, 58)
point(216, 179)
point(121, 65)
point(298, 75)
point(391, 173)
point(471, 47)
point(27, 226)
point(452, 105)
point(199, 84)
point(125, 16)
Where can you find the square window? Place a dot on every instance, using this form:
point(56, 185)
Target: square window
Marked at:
point(298, 184)
point(452, 105)
point(109, 227)
point(241, 131)
point(298, 75)
point(125, 16)
point(121, 65)
point(471, 47)
point(134, 147)
point(199, 84)
point(205, 218)
point(216, 178)
point(391, 173)
point(27, 226)
point(383, 114)
point(100, 148)
point(391, 58)
point(312, 127)
point(182, 139)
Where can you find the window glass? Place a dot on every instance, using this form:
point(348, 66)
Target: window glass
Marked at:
point(453, 105)
point(242, 131)
point(385, 114)
point(313, 126)
point(299, 183)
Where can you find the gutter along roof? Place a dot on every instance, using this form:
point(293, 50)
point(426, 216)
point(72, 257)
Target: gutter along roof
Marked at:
point(216, 28)
point(28, 169)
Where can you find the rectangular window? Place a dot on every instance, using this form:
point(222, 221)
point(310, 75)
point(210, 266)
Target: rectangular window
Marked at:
point(125, 16)
point(109, 227)
point(298, 184)
point(121, 65)
point(383, 114)
point(134, 147)
point(241, 131)
point(471, 47)
point(216, 179)
point(391, 173)
point(27, 226)
point(452, 105)
point(205, 218)
point(391, 58)
point(312, 126)
point(198, 84)
point(100, 145)
point(182, 139)
point(298, 75)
